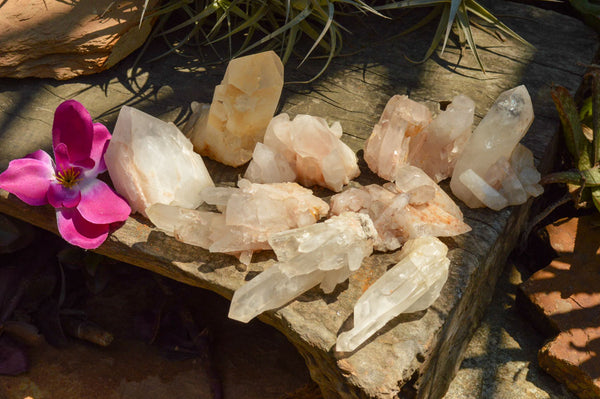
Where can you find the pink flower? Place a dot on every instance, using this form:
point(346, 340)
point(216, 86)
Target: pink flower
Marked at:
point(85, 206)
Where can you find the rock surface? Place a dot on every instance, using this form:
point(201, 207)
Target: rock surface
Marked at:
point(242, 106)
point(69, 38)
point(415, 355)
point(151, 161)
point(564, 298)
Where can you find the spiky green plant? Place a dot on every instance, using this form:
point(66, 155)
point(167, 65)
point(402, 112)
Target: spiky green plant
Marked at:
point(581, 130)
point(453, 13)
point(282, 24)
point(275, 24)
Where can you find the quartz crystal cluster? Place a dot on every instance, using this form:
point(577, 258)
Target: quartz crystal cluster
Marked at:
point(413, 284)
point(407, 135)
point(444, 139)
point(413, 206)
point(151, 161)
point(323, 253)
point(494, 170)
point(397, 137)
point(305, 149)
point(249, 215)
point(242, 106)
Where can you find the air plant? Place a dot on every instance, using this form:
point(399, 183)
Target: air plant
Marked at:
point(282, 24)
point(453, 12)
point(581, 130)
point(274, 24)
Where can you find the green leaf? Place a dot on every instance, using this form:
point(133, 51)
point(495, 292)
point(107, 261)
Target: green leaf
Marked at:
point(585, 111)
point(249, 21)
point(212, 8)
point(437, 37)
point(454, 5)
point(569, 118)
point(568, 177)
point(591, 177)
point(323, 32)
point(595, 191)
point(595, 76)
point(463, 22)
point(487, 16)
point(297, 19)
point(411, 4)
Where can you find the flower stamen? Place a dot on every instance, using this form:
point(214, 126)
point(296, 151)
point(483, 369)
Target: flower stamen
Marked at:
point(68, 177)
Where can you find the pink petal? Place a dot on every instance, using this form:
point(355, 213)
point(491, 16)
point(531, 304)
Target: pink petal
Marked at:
point(78, 231)
point(28, 178)
point(101, 205)
point(73, 127)
point(99, 145)
point(41, 156)
point(62, 197)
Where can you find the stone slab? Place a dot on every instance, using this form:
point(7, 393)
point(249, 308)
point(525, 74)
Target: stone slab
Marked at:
point(61, 40)
point(564, 299)
point(415, 354)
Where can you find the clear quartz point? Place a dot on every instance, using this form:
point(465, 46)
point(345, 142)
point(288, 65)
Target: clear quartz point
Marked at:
point(323, 253)
point(151, 161)
point(413, 284)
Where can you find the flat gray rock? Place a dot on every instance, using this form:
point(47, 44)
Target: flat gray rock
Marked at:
point(415, 354)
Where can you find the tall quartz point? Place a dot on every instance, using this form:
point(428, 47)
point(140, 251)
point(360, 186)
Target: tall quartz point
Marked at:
point(250, 214)
point(413, 284)
point(413, 206)
point(151, 161)
point(323, 253)
point(397, 137)
point(306, 149)
point(445, 138)
point(494, 170)
point(242, 106)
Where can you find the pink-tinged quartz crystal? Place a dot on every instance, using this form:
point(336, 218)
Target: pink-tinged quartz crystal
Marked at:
point(397, 137)
point(444, 139)
point(250, 214)
point(312, 150)
point(242, 106)
point(414, 206)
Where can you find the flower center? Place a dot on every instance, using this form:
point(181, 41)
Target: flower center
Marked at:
point(68, 177)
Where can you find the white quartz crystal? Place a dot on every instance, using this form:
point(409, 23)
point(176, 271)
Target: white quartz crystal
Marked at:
point(312, 150)
point(250, 214)
point(323, 253)
point(242, 106)
point(269, 166)
point(413, 206)
point(413, 284)
point(397, 137)
point(151, 161)
point(494, 170)
point(444, 139)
